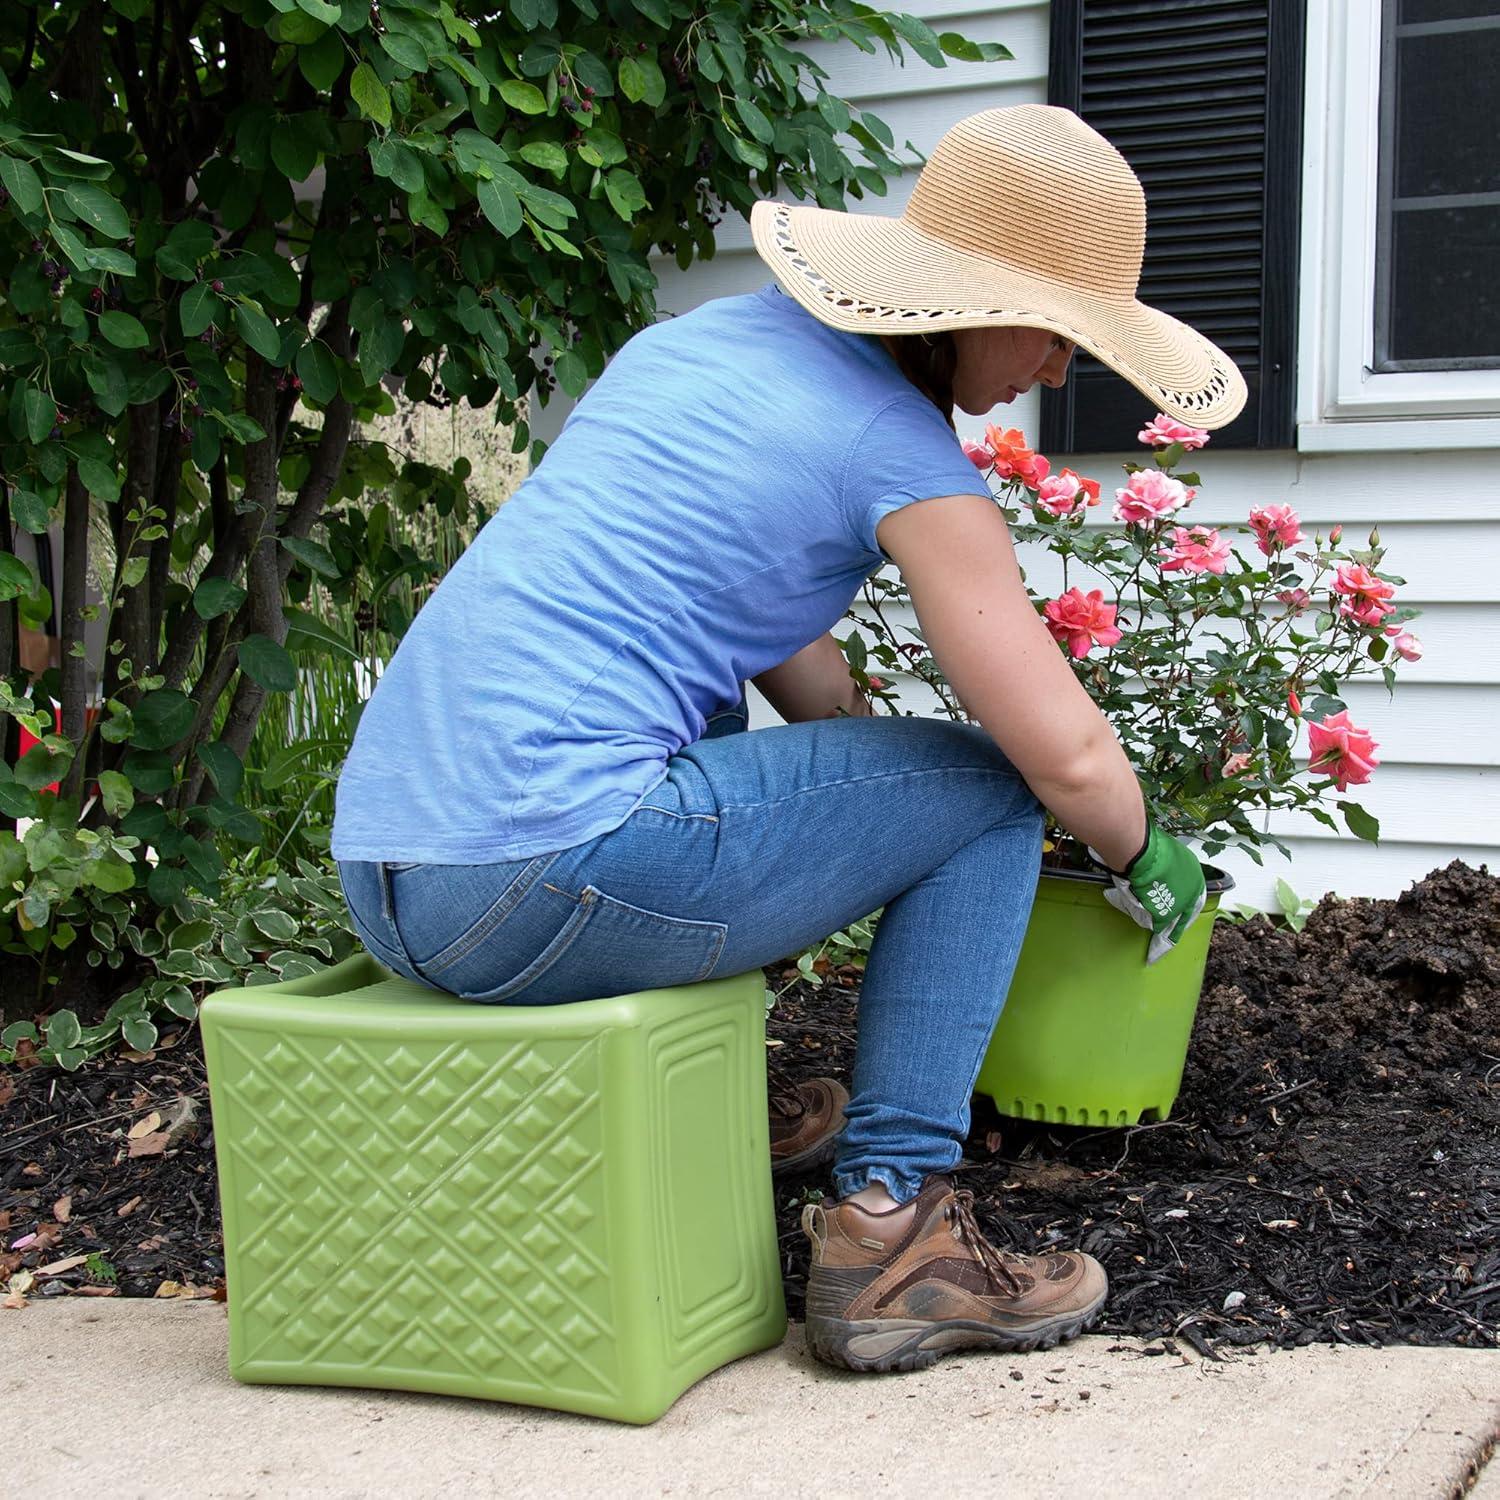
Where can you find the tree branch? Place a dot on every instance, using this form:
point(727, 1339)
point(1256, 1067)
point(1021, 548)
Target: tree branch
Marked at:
point(139, 493)
point(75, 574)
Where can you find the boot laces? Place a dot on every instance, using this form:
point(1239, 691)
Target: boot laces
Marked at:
point(1001, 1276)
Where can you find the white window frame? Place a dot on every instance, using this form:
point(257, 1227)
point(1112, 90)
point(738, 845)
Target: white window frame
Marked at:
point(1342, 403)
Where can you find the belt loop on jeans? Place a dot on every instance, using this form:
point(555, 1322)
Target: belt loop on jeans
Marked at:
point(387, 900)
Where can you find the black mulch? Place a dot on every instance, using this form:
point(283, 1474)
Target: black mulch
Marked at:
point(1331, 1171)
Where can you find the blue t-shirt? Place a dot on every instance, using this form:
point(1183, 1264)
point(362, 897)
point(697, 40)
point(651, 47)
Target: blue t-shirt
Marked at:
point(707, 510)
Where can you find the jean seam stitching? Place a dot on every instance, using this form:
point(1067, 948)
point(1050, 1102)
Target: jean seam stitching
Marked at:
point(579, 919)
point(824, 786)
point(681, 817)
point(658, 916)
point(496, 913)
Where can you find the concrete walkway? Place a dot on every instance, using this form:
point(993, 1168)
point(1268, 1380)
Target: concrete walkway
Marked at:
point(133, 1398)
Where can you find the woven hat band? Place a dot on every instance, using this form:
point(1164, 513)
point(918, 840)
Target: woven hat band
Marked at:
point(1062, 203)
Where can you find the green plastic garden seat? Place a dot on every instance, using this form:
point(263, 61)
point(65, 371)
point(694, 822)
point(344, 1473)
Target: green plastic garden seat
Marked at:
point(567, 1206)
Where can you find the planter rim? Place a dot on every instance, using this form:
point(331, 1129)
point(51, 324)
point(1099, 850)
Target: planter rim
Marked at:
point(1216, 880)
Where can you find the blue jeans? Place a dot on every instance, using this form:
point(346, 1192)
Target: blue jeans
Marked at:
point(755, 846)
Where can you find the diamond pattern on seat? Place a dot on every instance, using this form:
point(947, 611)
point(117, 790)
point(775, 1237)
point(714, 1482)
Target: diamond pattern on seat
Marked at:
point(363, 1170)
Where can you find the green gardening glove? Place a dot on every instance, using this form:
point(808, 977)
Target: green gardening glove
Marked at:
point(1162, 888)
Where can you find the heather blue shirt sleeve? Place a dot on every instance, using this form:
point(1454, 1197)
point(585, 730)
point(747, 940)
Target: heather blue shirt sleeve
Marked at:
point(905, 452)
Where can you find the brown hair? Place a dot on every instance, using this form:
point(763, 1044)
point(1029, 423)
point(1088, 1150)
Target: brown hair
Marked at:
point(928, 360)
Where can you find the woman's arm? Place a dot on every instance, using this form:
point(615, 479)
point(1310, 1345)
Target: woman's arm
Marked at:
point(813, 684)
point(957, 559)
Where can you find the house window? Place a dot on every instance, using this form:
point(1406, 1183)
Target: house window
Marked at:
point(1398, 341)
point(1437, 299)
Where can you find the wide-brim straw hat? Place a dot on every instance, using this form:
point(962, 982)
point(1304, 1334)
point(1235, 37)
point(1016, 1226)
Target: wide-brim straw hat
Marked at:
point(1021, 217)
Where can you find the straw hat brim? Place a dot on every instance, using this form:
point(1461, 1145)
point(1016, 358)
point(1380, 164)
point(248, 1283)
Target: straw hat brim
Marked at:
point(867, 273)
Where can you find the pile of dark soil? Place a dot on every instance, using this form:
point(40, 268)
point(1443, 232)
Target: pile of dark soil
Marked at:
point(1331, 1170)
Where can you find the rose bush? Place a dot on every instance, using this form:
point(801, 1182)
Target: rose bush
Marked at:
point(1206, 655)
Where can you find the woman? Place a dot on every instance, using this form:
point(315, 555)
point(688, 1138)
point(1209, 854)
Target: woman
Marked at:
point(547, 800)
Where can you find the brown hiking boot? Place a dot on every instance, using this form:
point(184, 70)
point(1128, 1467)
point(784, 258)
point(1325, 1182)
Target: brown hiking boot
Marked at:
point(805, 1119)
point(881, 1297)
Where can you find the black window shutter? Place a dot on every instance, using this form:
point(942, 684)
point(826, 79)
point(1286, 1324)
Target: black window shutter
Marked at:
point(1204, 99)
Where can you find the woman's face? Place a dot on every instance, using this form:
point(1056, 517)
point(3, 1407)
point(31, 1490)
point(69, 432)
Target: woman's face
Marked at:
point(995, 365)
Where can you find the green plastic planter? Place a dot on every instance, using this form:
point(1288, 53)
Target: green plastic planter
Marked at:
point(1089, 1034)
point(566, 1206)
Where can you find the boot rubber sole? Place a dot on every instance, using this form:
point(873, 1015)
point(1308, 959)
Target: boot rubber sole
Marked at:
point(815, 1155)
point(889, 1344)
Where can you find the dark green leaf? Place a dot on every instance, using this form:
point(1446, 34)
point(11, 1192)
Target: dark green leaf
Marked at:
point(370, 94)
point(258, 330)
point(224, 766)
point(755, 120)
point(318, 371)
point(161, 719)
point(197, 308)
point(500, 206)
point(268, 663)
point(216, 596)
point(1361, 824)
point(30, 511)
point(625, 194)
point(526, 97)
point(312, 554)
point(95, 206)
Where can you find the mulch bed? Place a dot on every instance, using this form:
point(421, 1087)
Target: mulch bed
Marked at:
point(1330, 1172)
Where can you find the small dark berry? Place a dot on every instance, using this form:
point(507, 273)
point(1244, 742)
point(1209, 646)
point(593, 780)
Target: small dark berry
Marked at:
point(170, 420)
point(56, 431)
point(192, 382)
point(187, 431)
point(37, 247)
point(197, 410)
point(296, 382)
point(49, 269)
point(218, 285)
point(640, 46)
point(587, 107)
point(588, 92)
point(96, 295)
point(568, 103)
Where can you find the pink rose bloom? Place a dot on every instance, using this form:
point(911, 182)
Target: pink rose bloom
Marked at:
point(1082, 621)
point(1365, 596)
point(1341, 750)
point(1195, 549)
point(1149, 496)
point(1058, 493)
point(1236, 763)
point(1275, 526)
point(977, 454)
point(1405, 645)
point(1295, 600)
point(878, 684)
point(1334, 535)
point(1162, 431)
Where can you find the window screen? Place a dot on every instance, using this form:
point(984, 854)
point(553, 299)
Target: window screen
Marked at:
point(1437, 297)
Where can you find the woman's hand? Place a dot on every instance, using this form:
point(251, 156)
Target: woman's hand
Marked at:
point(1162, 889)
